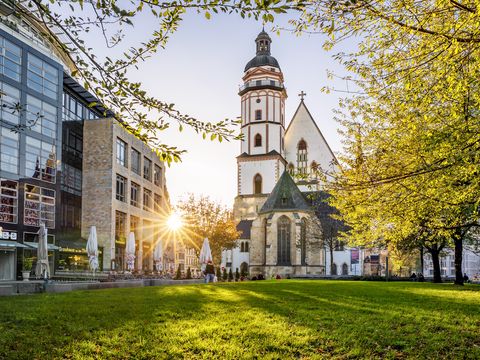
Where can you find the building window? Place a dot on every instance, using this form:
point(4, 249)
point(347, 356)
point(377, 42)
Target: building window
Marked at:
point(42, 77)
point(157, 175)
point(73, 143)
point(157, 199)
point(258, 140)
point(302, 157)
point(339, 246)
point(291, 169)
point(334, 269)
point(71, 179)
point(134, 194)
point(120, 188)
point(41, 117)
point(10, 59)
point(242, 247)
point(121, 152)
point(147, 169)
point(344, 269)
point(120, 227)
point(258, 114)
point(40, 160)
point(74, 110)
point(147, 199)
point(136, 162)
point(9, 145)
point(246, 246)
point(8, 201)
point(39, 206)
point(303, 241)
point(283, 238)
point(134, 225)
point(257, 184)
point(314, 169)
point(10, 103)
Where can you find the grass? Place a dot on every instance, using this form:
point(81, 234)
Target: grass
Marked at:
point(255, 320)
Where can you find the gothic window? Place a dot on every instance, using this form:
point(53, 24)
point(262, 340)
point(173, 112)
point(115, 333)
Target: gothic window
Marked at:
point(257, 184)
point(242, 247)
point(258, 114)
point(344, 269)
point(339, 246)
point(302, 157)
point(334, 269)
point(258, 140)
point(303, 241)
point(291, 169)
point(246, 246)
point(283, 241)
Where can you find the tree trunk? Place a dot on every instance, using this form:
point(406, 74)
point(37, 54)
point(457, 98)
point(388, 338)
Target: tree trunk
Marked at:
point(458, 241)
point(331, 260)
point(435, 252)
point(422, 264)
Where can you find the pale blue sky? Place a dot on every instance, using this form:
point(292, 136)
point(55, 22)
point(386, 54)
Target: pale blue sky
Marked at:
point(200, 71)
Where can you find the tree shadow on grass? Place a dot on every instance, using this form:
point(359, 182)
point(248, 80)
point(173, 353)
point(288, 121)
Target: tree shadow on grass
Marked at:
point(248, 320)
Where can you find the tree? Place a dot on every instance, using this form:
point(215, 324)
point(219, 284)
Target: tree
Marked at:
point(410, 172)
point(108, 77)
point(219, 274)
point(205, 218)
point(230, 275)
point(237, 274)
point(178, 275)
point(189, 273)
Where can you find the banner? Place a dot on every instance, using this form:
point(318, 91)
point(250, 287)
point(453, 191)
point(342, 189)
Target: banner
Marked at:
point(354, 256)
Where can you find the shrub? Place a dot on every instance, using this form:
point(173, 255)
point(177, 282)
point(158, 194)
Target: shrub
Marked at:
point(27, 264)
point(237, 275)
point(230, 275)
point(178, 275)
point(219, 274)
point(225, 275)
point(189, 273)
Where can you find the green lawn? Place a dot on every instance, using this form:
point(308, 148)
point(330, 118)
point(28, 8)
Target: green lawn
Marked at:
point(264, 320)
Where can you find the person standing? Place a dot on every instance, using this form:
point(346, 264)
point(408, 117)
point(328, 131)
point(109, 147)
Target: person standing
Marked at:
point(209, 272)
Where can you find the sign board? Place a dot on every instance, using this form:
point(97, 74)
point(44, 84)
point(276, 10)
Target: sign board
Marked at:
point(8, 235)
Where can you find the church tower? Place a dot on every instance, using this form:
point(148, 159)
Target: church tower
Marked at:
point(261, 162)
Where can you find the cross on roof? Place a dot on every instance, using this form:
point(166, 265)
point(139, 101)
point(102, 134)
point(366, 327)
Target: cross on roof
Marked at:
point(302, 95)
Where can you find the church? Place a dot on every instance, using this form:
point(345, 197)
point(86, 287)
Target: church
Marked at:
point(280, 233)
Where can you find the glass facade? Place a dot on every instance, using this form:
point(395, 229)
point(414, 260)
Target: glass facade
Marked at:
point(9, 150)
point(42, 77)
point(8, 201)
point(41, 117)
point(10, 59)
point(39, 206)
point(40, 160)
point(10, 104)
point(75, 110)
point(71, 179)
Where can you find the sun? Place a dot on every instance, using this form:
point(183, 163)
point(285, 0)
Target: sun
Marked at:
point(174, 222)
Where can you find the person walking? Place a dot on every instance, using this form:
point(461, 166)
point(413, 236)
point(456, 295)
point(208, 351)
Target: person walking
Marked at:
point(209, 272)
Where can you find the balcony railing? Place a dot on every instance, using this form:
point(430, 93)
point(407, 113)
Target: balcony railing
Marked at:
point(260, 83)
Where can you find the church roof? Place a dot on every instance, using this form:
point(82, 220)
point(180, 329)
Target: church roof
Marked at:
point(270, 153)
point(302, 104)
point(262, 60)
point(285, 196)
point(244, 226)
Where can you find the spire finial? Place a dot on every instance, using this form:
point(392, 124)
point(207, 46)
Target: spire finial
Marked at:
point(302, 95)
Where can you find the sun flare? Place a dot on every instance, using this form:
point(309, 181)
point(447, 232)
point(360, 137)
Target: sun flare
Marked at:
point(174, 222)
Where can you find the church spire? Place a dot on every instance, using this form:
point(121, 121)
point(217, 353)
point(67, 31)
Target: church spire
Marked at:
point(263, 43)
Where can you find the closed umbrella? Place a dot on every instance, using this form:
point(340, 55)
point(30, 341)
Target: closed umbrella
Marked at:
point(92, 249)
point(205, 254)
point(42, 269)
point(158, 255)
point(130, 251)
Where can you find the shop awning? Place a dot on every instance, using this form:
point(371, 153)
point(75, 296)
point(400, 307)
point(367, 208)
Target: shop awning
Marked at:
point(11, 245)
point(34, 245)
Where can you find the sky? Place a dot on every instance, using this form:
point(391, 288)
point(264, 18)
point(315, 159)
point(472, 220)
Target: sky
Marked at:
point(200, 71)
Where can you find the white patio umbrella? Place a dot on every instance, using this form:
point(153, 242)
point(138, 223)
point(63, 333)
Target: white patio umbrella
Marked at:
point(92, 249)
point(42, 269)
point(158, 255)
point(205, 254)
point(130, 251)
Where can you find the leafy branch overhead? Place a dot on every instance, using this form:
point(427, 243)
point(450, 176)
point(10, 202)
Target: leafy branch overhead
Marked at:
point(108, 78)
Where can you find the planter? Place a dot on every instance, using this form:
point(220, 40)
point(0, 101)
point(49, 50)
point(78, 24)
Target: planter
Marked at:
point(25, 275)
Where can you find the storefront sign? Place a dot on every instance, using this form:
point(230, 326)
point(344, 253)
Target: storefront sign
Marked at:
point(8, 235)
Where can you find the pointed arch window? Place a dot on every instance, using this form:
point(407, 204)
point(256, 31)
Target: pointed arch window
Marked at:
point(344, 269)
point(283, 240)
point(334, 269)
point(258, 140)
point(302, 157)
point(303, 241)
point(257, 184)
